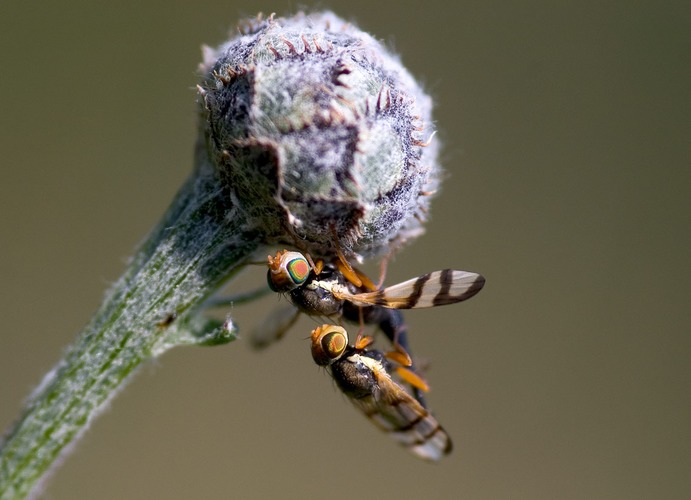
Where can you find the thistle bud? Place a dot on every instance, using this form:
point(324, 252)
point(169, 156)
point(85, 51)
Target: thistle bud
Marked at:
point(319, 134)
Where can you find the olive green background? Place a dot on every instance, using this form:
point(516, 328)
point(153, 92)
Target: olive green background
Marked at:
point(566, 147)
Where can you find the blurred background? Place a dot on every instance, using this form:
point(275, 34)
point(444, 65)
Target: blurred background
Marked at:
point(566, 147)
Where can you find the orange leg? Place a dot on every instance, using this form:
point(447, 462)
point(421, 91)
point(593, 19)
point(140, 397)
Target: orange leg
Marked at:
point(412, 378)
point(359, 338)
point(362, 342)
point(342, 263)
point(316, 266)
point(346, 269)
point(400, 350)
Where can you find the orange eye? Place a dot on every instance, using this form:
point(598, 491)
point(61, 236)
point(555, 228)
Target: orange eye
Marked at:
point(329, 342)
point(334, 344)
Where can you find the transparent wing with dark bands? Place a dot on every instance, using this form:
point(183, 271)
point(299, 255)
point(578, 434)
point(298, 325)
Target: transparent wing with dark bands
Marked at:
point(434, 289)
point(397, 413)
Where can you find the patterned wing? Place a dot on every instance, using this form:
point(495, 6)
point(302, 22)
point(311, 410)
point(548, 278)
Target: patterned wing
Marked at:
point(274, 326)
point(390, 407)
point(434, 289)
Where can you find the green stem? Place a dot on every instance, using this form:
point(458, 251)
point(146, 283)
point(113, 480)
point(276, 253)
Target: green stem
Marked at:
point(201, 241)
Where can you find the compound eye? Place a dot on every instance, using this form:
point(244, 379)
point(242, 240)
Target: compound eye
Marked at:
point(287, 271)
point(298, 269)
point(329, 342)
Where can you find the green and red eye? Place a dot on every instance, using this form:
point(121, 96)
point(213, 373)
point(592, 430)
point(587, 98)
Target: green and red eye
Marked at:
point(287, 271)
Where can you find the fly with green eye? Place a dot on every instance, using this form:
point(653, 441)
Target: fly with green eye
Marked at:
point(336, 290)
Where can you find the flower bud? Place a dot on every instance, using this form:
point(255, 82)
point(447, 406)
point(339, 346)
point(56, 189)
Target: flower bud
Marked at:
point(320, 136)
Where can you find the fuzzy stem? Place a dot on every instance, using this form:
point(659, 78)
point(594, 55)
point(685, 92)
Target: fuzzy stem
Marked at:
point(200, 242)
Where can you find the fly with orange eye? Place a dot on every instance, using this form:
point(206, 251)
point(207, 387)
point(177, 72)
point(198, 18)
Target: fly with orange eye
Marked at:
point(336, 290)
point(364, 375)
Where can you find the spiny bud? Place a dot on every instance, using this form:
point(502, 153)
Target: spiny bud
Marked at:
point(319, 134)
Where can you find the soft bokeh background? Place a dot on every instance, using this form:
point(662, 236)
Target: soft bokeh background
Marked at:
point(566, 132)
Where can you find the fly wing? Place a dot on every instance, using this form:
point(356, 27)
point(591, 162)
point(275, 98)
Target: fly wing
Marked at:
point(274, 326)
point(397, 413)
point(434, 289)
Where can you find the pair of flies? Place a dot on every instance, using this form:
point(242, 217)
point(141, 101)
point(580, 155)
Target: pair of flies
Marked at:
point(364, 374)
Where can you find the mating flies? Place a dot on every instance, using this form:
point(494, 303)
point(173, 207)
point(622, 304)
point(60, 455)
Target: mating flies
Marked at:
point(337, 290)
point(364, 375)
